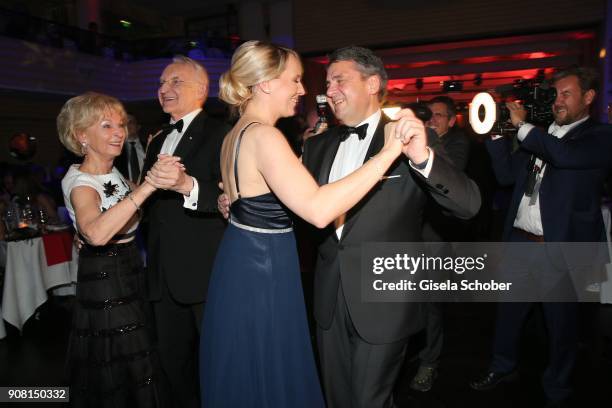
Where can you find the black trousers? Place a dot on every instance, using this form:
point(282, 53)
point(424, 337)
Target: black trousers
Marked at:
point(356, 374)
point(562, 326)
point(178, 335)
point(561, 319)
point(430, 354)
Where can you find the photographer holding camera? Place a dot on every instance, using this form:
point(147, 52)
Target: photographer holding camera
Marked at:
point(558, 177)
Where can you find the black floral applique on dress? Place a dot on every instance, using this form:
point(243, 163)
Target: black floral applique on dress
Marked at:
point(127, 191)
point(110, 189)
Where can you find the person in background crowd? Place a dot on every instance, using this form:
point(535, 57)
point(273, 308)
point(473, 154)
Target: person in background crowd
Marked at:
point(567, 164)
point(440, 226)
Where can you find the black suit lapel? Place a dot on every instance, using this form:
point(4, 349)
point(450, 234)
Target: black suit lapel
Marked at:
point(573, 134)
point(378, 140)
point(329, 154)
point(578, 130)
point(377, 143)
point(191, 137)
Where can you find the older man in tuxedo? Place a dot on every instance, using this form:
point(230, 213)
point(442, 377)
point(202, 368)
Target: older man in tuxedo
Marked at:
point(362, 345)
point(184, 226)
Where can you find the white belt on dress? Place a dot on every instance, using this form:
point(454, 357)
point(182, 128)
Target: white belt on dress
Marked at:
point(262, 230)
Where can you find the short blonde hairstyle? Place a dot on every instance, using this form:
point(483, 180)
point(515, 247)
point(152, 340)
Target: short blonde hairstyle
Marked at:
point(83, 111)
point(252, 63)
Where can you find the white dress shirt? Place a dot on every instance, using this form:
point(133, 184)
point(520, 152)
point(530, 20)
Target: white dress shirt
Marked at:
point(169, 146)
point(528, 217)
point(351, 155)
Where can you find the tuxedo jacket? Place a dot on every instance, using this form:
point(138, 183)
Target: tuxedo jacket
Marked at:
point(391, 212)
point(439, 225)
point(457, 147)
point(121, 163)
point(182, 243)
point(572, 185)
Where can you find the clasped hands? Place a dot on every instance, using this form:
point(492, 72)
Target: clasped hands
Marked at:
point(168, 173)
point(410, 130)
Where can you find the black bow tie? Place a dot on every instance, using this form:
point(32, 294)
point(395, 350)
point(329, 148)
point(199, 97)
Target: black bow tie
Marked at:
point(346, 131)
point(176, 125)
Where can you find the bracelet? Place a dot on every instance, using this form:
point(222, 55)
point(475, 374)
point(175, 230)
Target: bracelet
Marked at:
point(133, 202)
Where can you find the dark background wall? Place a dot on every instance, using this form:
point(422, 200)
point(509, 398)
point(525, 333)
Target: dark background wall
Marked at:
point(322, 25)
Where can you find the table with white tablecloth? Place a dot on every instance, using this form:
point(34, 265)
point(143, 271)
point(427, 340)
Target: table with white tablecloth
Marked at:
point(30, 275)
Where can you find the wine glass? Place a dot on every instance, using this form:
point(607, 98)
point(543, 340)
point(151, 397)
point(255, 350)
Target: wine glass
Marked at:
point(43, 220)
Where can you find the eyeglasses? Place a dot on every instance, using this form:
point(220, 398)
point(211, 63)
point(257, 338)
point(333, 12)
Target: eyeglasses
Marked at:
point(173, 83)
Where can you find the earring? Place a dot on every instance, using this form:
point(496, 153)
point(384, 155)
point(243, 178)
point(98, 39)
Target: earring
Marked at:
point(84, 148)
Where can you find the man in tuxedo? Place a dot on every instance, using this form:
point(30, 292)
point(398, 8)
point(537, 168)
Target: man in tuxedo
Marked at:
point(184, 226)
point(130, 162)
point(558, 177)
point(362, 345)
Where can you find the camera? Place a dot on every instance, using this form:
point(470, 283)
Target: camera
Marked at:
point(321, 112)
point(536, 96)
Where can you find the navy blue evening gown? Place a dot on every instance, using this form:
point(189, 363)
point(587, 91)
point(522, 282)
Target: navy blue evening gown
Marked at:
point(255, 348)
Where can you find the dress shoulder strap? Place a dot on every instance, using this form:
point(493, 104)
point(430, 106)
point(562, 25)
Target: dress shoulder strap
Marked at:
point(236, 157)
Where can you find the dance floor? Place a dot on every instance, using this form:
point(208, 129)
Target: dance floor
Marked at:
point(36, 358)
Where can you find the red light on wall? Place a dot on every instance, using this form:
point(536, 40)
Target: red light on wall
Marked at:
point(415, 65)
point(513, 57)
point(398, 83)
point(582, 36)
point(460, 119)
point(538, 55)
point(475, 60)
point(480, 60)
point(488, 78)
point(424, 64)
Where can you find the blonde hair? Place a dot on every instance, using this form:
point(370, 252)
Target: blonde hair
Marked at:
point(252, 63)
point(81, 112)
